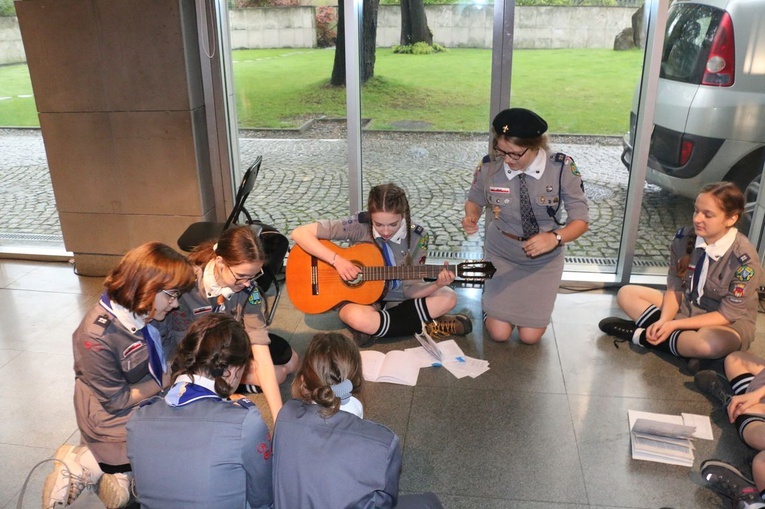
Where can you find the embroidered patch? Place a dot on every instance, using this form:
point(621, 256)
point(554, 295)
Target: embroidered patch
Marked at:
point(737, 289)
point(560, 157)
point(255, 298)
point(203, 309)
point(132, 348)
point(744, 273)
point(265, 450)
point(102, 321)
point(574, 170)
point(418, 229)
point(743, 258)
point(502, 190)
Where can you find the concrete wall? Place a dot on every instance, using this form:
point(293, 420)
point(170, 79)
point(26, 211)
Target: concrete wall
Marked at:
point(11, 47)
point(454, 26)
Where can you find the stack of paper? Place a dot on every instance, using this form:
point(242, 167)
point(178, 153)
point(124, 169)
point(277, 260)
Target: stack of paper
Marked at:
point(666, 438)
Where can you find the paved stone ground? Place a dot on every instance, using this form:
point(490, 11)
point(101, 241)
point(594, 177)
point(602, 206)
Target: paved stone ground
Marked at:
point(304, 179)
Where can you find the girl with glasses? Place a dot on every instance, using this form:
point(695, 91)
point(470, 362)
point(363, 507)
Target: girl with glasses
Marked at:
point(120, 360)
point(408, 304)
point(325, 453)
point(522, 186)
point(214, 452)
point(226, 273)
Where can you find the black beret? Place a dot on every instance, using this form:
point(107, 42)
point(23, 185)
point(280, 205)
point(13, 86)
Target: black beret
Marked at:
point(519, 123)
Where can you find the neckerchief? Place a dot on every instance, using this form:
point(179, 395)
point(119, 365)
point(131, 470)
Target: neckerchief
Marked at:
point(189, 389)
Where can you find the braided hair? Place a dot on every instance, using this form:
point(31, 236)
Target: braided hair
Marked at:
point(730, 199)
point(329, 359)
point(213, 344)
point(391, 198)
point(236, 246)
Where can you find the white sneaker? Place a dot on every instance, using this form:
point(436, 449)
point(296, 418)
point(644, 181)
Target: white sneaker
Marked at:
point(69, 477)
point(115, 490)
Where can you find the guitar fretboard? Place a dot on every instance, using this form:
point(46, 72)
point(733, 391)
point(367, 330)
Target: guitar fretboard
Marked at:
point(402, 272)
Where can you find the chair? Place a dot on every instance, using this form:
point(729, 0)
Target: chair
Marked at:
point(275, 245)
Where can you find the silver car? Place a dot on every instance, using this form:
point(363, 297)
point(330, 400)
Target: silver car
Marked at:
point(709, 123)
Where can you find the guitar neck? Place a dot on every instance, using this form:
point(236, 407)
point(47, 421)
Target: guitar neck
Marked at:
point(404, 272)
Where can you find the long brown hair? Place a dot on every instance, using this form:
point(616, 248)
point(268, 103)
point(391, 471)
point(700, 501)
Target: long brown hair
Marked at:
point(213, 344)
point(145, 271)
point(391, 198)
point(730, 199)
point(329, 359)
point(236, 246)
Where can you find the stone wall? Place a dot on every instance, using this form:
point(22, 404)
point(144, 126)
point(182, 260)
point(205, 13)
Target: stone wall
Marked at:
point(453, 26)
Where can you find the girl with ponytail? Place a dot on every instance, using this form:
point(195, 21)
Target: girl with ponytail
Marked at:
point(325, 453)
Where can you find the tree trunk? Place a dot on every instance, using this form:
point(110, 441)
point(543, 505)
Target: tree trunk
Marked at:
point(369, 43)
point(414, 23)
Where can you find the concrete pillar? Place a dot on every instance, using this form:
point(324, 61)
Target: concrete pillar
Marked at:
point(119, 93)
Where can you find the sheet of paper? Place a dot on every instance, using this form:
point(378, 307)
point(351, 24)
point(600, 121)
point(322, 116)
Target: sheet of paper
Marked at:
point(702, 424)
point(450, 351)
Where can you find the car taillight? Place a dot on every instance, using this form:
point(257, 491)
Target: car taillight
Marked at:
point(686, 149)
point(720, 69)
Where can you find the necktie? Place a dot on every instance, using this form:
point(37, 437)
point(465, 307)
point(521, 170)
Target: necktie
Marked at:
point(697, 289)
point(156, 360)
point(528, 221)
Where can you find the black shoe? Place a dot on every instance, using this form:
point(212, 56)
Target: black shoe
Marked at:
point(362, 339)
point(729, 482)
point(621, 329)
point(714, 386)
point(693, 366)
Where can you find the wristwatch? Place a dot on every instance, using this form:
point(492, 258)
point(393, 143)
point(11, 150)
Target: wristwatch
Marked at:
point(558, 238)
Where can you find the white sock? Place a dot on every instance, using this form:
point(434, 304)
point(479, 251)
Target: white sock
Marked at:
point(636, 336)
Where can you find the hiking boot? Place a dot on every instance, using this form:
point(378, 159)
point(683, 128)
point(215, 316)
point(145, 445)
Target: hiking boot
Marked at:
point(115, 490)
point(362, 339)
point(728, 481)
point(449, 325)
point(714, 386)
point(69, 477)
point(621, 329)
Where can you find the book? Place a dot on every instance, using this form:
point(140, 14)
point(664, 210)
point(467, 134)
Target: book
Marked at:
point(664, 438)
point(396, 367)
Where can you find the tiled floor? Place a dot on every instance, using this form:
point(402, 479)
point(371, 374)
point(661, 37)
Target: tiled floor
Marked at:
point(545, 427)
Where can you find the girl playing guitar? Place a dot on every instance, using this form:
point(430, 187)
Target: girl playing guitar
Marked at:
point(407, 304)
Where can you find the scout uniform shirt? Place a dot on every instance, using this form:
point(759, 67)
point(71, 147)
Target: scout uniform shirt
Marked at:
point(731, 283)
point(549, 179)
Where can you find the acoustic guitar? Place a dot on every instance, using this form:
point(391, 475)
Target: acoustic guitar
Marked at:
point(314, 286)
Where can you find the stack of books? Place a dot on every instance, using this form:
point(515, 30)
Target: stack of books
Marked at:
point(666, 438)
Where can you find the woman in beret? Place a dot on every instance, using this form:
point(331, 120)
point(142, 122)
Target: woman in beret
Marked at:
point(524, 187)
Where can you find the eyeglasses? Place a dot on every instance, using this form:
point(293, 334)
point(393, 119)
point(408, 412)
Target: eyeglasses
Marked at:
point(512, 155)
point(173, 295)
point(239, 280)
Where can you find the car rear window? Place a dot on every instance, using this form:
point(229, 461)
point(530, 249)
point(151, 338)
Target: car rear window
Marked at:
point(690, 31)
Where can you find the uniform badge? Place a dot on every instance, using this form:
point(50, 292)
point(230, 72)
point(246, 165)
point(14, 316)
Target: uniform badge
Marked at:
point(574, 170)
point(549, 189)
point(737, 289)
point(132, 348)
point(744, 273)
point(507, 200)
point(255, 299)
point(502, 190)
point(542, 200)
point(560, 157)
point(202, 310)
point(418, 229)
point(102, 321)
point(743, 258)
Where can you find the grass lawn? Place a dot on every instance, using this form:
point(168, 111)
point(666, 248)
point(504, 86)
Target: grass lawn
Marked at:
point(577, 91)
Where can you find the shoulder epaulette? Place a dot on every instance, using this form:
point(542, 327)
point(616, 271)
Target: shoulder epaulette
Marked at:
point(559, 157)
point(244, 403)
point(486, 159)
point(364, 217)
point(680, 233)
point(418, 229)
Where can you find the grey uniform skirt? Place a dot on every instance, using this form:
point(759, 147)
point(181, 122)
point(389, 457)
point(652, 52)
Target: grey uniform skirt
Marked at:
point(523, 290)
